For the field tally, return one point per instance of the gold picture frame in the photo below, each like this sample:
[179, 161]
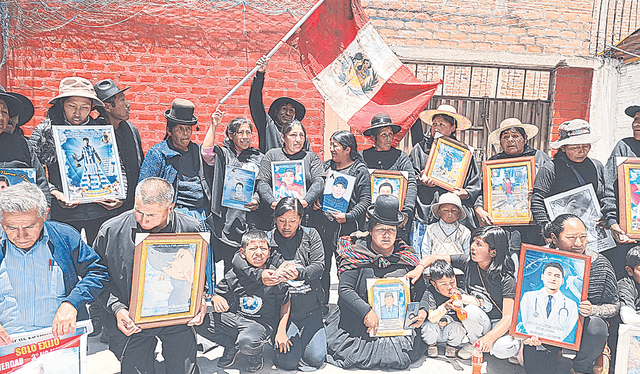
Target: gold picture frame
[506, 185]
[394, 180]
[391, 314]
[448, 163]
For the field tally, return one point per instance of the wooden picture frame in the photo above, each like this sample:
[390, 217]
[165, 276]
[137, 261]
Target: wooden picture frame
[627, 356]
[381, 290]
[387, 179]
[539, 273]
[168, 278]
[506, 185]
[448, 163]
[629, 196]
[288, 179]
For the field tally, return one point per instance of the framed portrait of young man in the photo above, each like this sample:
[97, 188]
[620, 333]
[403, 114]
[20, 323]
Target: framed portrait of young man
[448, 163]
[389, 298]
[629, 196]
[238, 187]
[168, 278]
[338, 188]
[506, 186]
[288, 179]
[550, 286]
[387, 182]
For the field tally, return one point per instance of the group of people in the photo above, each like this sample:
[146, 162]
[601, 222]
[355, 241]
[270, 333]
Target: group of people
[277, 251]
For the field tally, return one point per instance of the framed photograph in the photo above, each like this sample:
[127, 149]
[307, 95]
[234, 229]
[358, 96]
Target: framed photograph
[9, 177]
[389, 298]
[337, 192]
[506, 189]
[238, 187]
[582, 202]
[628, 353]
[89, 163]
[288, 179]
[168, 278]
[385, 182]
[549, 289]
[448, 163]
[629, 196]
[40, 352]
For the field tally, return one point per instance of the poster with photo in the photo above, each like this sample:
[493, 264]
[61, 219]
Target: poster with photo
[338, 188]
[89, 163]
[288, 179]
[385, 182]
[238, 187]
[9, 176]
[389, 298]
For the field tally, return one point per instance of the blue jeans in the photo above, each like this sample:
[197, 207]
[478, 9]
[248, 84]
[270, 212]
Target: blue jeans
[309, 348]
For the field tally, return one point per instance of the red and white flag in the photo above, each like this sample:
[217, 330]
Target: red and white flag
[355, 71]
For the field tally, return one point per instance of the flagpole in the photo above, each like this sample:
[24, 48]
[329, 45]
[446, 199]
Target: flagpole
[273, 51]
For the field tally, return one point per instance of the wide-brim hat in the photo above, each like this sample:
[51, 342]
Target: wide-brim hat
[13, 104]
[27, 108]
[181, 112]
[576, 131]
[380, 121]
[76, 86]
[463, 122]
[386, 210]
[279, 102]
[448, 198]
[510, 123]
[632, 110]
[107, 88]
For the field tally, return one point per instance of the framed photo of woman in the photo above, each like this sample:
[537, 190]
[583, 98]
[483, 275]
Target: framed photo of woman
[448, 163]
[629, 196]
[386, 182]
[506, 186]
[389, 298]
[288, 179]
[550, 286]
[168, 278]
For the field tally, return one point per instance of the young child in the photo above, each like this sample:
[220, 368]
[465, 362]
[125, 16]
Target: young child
[447, 236]
[447, 312]
[630, 289]
[247, 313]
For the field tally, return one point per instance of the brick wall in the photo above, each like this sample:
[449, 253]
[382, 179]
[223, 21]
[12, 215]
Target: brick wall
[178, 54]
[572, 96]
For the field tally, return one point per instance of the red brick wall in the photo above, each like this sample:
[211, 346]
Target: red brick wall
[572, 96]
[178, 54]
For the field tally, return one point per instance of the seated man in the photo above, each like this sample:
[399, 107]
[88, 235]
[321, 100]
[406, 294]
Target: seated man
[40, 266]
[248, 313]
[152, 213]
[630, 289]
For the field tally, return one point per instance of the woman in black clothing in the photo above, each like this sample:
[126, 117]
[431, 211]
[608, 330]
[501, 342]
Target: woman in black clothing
[381, 254]
[344, 159]
[293, 137]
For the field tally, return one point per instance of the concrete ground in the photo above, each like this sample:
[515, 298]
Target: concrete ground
[101, 361]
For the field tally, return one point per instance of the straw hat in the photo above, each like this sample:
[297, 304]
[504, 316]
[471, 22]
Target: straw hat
[463, 122]
[448, 198]
[76, 86]
[576, 131]
[510, 123]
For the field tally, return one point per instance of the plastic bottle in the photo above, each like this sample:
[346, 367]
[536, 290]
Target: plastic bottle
[457, 305]
[476, 360]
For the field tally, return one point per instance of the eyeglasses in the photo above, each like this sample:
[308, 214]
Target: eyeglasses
[243, 132]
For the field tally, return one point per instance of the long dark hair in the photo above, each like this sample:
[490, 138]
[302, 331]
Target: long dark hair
[556, 226]
[347, 140]
[496, 239]
[286, 128]
[286, 204]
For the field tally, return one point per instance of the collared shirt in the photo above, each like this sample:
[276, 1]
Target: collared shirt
[559, 324]
[31, 287]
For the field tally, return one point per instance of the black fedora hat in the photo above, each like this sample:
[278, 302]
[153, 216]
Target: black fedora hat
[14, 104]
[279, 102]
[107, 88]
[181, 113]
[27, 108]
[386, 210]
[379, 121]
[632, 110]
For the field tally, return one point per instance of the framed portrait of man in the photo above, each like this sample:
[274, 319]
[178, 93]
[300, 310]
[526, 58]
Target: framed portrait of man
[389, 298]
[385, 182]
[628, 352]
[338, 188]
[89, 163]
[629, 196]
[288, 179]
[506, 189]
[448, 163]
[550, 286]
[583, 202]
[238, 187]
[11, 176]
[168, 278]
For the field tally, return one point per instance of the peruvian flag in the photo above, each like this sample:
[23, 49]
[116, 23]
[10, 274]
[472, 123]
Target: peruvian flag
[355, 71]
